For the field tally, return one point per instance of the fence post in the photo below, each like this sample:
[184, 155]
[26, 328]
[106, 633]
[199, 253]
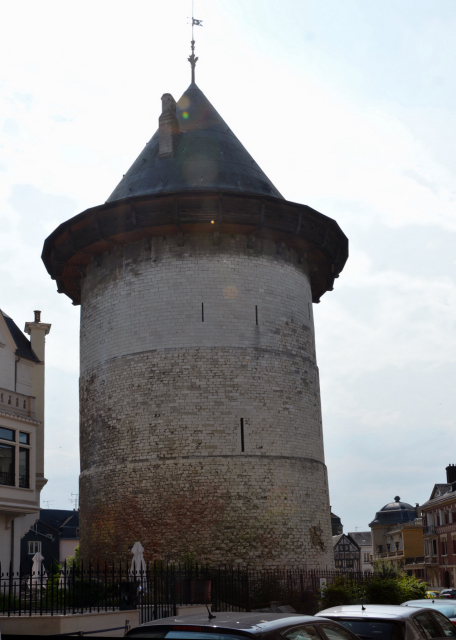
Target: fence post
[155, 590]
[173, 589]
[64, 584]
[98, 586]
[106, 585]
[10, 578]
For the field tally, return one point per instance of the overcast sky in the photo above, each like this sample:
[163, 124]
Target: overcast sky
[348, 106]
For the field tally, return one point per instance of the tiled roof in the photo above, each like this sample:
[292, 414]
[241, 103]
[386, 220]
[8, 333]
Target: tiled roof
[337, 538]
[363, 538]
[23, 346]
[446, 491]
[65, 521]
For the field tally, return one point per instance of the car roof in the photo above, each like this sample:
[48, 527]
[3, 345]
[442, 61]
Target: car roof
[429, 603]
[234, 620]
[424, 601]
[386, 611]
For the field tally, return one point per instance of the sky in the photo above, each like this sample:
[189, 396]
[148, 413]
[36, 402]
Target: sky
[348, 107]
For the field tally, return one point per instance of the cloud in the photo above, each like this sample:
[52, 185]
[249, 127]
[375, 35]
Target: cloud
[387, 318]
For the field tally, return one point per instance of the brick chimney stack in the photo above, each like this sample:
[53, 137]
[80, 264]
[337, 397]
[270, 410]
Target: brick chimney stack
[168, 127]
[451, 473]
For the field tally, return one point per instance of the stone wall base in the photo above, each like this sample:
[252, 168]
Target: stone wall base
[107, 624]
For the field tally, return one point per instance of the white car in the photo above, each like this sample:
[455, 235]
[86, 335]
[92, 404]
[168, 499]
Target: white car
[391, 622]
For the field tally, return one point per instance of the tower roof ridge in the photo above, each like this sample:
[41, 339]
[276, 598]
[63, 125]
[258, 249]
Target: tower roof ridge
[207, 155]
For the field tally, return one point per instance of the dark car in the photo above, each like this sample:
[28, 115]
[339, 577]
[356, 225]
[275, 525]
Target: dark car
[447, 608]
[448, 593]
[234, 626]
[391, 622]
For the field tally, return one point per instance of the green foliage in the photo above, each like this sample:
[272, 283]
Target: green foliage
[74, 562]
[343, 590]
[412, 588]
[384, 569]
[54, 575]
[8, 601]
[89, 592]
[388, 585]
[383, 590]
[336, 594]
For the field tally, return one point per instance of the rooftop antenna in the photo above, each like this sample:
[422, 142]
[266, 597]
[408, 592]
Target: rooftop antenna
[75, 499]
[192, 58]
[48, 503]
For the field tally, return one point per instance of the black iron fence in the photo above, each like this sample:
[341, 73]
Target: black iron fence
[159, 589]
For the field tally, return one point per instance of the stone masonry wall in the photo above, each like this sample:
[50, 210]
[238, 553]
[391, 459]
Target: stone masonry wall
[200, 409]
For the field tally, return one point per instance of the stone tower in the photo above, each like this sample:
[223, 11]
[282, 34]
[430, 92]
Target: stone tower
[201, 429]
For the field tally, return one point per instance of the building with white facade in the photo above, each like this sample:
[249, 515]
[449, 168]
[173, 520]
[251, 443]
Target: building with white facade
[364, 541]
[21, 432]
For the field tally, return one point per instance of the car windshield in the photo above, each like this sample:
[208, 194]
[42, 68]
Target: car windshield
[375, 629]
[449, 612]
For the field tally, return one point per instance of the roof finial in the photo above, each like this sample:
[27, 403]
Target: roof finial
[192, 58]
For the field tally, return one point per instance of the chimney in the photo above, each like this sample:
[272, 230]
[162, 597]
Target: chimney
[168, 127]
[37, 331]
[451, 473]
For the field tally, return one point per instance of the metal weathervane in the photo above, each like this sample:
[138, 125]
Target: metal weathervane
[192, 58]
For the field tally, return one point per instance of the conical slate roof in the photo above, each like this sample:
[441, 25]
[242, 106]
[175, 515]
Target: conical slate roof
[208, 156]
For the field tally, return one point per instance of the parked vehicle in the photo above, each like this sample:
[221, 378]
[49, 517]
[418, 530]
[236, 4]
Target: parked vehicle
[447, 608]
[447, 593]
[237, 626]
[391, 622]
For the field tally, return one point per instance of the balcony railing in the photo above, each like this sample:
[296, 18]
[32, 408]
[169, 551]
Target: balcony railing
[7, 478]
[17, 403]
[429, 530]
[391, 554]
[415, 560]
[24, 482]
[430, 560]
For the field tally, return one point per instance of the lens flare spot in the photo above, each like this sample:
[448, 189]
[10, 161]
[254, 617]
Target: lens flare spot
[230, 292]
[185, 115]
